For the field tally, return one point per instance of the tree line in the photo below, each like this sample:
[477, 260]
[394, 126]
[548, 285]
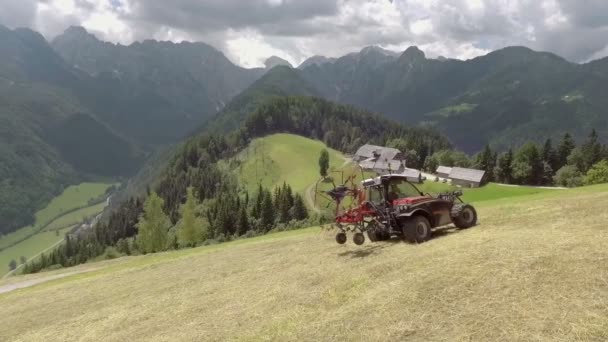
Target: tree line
[196, 201]
[562, 164]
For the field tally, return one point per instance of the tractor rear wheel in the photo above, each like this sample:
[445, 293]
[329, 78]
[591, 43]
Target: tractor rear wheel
[464, 215]
[417, 229]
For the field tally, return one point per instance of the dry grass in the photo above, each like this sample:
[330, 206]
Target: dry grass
[533, 270]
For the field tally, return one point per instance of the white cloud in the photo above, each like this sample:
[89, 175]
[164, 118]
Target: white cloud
[248, 31]
[249, 49]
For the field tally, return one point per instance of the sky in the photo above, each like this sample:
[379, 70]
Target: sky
[249, 31]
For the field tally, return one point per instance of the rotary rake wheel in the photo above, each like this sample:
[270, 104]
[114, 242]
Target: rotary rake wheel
[349, 210]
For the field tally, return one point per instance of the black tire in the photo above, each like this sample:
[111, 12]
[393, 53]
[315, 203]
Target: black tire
[375, 233]
[464, 215]
[359, 239]
[417, 229]
[341, 238]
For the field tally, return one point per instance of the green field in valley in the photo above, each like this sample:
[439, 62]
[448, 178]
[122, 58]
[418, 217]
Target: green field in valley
[517, 276]
[31, 247]
[77, 216]
[65, 210]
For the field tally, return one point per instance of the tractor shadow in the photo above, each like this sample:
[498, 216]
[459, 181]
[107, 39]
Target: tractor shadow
[444, 231]
[370, 248]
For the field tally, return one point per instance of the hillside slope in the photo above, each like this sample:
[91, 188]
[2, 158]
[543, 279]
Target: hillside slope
[516, 277]
[48, 138]
[279, 158]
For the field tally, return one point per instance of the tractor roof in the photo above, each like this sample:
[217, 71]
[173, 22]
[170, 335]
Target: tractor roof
[377, 180]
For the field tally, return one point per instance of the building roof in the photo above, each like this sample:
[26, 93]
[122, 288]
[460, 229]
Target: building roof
[380, 152]
[470, 175]
[443, 169]
[367, 150]
[411, 173]
[381, 165]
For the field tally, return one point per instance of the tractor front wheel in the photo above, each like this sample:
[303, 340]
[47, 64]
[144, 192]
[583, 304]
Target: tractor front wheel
[417, 229]
[464, 216]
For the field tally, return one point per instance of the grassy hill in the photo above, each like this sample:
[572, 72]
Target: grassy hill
[532, 269]
[280, 158]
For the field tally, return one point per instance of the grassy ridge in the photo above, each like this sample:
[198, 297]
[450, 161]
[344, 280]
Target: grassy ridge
[283, 157]
[517, 276]
[294, 159]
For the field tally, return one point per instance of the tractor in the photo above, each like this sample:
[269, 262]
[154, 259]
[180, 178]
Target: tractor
[391, 205]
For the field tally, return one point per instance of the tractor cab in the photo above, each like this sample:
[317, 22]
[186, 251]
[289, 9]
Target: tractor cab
[391, 188]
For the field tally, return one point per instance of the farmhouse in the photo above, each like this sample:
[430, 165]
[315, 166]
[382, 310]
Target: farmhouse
[380, 159]
[368, 151]
[443, 171]
[469, 178]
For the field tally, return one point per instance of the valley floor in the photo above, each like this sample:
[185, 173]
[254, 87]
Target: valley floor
[534, 269]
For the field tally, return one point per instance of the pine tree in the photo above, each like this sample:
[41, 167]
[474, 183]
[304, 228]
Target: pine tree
[505, 167]
[190, 230]
[323, 163]
[243, 222]
[267, 211]
[283, 203]
[153, 225]
[592, 151]
[12, 265]
[563, 151]
[256, 211]
[299, 209]
[486, 161]
[549, 155]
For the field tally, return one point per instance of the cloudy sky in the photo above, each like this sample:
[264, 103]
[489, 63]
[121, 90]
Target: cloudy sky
[248, 31]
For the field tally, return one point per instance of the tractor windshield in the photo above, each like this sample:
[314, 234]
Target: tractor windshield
[400, 188]
[376, 195]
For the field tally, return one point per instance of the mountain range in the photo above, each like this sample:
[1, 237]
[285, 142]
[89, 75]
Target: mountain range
[79, 107]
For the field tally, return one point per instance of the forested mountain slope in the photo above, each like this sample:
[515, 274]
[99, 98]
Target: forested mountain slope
[48, 138]
[205, 164]
[504, 98]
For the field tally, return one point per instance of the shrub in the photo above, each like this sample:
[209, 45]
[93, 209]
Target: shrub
[568, 176]
[110, 253]
[597, 174]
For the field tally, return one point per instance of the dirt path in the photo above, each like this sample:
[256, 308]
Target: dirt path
[32, 282]
[309, 197]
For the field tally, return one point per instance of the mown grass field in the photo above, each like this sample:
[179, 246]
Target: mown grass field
[283, 157]
[533, 269]
[59, 214]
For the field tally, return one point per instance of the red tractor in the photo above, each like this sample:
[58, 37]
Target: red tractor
[391, 205]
